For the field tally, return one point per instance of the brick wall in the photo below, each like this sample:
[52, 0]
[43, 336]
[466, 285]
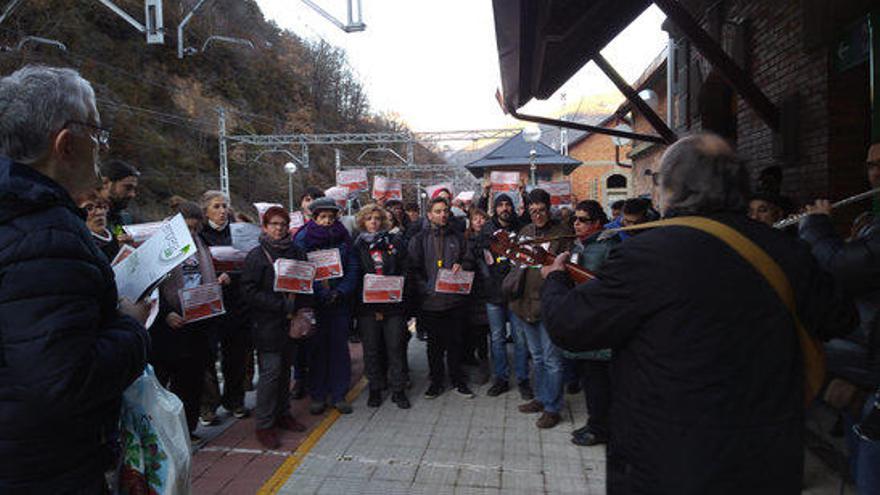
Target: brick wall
[597, 152]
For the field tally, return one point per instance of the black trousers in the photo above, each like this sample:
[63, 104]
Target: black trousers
[383, 342]
[232, 336]
[596, 382]
[446, 334]
[184, 377]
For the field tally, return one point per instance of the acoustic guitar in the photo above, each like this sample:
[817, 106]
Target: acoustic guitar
[504, 244]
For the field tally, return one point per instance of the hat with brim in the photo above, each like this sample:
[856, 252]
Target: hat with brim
[324, 203]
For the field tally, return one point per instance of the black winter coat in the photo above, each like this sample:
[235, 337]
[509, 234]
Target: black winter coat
[393, 248]
[494, 274]
[268, 309]
[66, 354]
[422, 268]
[706, 371]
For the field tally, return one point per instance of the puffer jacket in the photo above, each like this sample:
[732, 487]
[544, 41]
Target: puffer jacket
[856, 266]
[528, 305]
[66, 353]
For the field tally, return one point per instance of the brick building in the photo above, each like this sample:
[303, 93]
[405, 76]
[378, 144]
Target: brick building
[602, 164]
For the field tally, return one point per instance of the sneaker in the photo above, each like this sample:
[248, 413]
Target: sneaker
[268, 438]
[548, 420]
[375, 399]
[290, 423]
[465, 391]
[343, 407]
[208, 418]
[588, 439]
[573, 388]
[434, 391]
[317, 407]
[525, 390]
[241, 412]
[580, 431]
[401, 400]
[299, 391]
[498, 388]
[531, 407]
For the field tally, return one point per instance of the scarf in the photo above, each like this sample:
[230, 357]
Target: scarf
[102, 239]
[279, 246]
[319, 237]
[216, 227]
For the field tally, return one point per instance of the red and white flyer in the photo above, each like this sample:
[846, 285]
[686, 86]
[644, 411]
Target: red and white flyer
[339, 194]
[297, 220]
[354, 180]
[227, 259]
[294, 276]
[142, 231]
[454, 283]
[504, 181]
[466, 196]
[387, 189]
[202, 302]
[328, 263]
[560, 192]
[124, 251]
[382, 289]
[430, 190]
[262, 207]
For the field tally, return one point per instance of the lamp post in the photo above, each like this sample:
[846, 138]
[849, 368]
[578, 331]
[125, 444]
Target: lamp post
[532, 134]
[290, 168]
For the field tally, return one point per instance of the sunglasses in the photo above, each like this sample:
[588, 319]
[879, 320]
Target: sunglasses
[583, 219]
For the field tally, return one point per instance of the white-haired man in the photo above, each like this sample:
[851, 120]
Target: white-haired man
[68, 348]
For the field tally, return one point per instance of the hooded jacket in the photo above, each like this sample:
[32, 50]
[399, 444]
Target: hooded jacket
[493, 273]
[424, 256]
[66, 353]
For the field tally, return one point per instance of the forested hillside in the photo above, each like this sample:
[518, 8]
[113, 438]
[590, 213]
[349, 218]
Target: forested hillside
[163, 111]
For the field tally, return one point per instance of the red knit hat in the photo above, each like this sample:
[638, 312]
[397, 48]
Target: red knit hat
[437, 192]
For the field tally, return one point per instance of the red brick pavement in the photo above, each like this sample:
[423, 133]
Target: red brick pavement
[235, 463]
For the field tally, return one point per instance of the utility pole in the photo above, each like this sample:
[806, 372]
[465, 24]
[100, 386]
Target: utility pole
[224, 159]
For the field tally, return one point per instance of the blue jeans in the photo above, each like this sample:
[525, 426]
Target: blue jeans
[864, 456]
[547, 362]
[498, 316]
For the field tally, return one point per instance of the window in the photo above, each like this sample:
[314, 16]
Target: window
[615, 181]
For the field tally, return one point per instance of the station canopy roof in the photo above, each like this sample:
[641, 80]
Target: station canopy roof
[543, 43]
[515, 152]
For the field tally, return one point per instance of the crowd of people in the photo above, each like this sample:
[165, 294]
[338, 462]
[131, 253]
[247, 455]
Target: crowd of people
[688, 352]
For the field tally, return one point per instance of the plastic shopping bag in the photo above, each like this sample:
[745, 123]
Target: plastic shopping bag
[155, 440]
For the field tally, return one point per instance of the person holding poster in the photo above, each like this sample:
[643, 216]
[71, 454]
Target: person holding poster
[440, 246]
[271, 313]
[329, 360]
[180, 352]
[382, 325]
[228, 332]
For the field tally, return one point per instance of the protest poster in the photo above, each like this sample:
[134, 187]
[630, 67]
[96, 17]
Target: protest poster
[382, 289]
[560, 192]
[338, 194]
[328, 263]
[297, 220]
[141, 232]
[449, 282]
[294, 276]
[245, 236]
[387, 189]
[148, 264]
[355, 180]
[262, 207]
[124, 251]
[227, 259]
[202, 302]
[505, 183]
[465, 197]
[430, 190]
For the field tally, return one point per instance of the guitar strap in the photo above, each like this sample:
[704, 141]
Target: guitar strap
[811, 348]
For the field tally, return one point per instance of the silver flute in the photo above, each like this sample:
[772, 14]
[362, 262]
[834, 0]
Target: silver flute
[843, 202]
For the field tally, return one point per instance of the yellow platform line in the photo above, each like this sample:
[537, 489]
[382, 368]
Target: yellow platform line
[286, 470]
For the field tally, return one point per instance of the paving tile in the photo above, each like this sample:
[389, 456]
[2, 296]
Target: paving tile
[340, 486]
[517, 480]
[395, 472]
[379, 487]
[436, 475]
[562, 483]
[482, 477]
[470, 490]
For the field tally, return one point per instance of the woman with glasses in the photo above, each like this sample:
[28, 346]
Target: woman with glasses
[271, 313]
[96, 209]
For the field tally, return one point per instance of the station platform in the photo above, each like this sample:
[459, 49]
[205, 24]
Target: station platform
[448, 445]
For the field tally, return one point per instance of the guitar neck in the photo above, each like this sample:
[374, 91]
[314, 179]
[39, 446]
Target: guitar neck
[578, 273]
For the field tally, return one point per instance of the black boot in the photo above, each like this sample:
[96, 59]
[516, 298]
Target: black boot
[375, 399]
[401, 400]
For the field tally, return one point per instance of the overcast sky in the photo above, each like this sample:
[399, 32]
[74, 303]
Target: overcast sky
[435, 63]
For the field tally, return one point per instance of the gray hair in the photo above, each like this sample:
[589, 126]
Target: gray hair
[209, 196]
[701, 174]
[36, 101]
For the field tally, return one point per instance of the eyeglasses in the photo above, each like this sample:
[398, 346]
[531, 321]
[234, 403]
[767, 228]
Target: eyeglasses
[100, 134]
[282, 225]
[583, 219]
[91, 207]
[537, 211]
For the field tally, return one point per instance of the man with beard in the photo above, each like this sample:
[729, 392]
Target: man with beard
[119, 187]
[493, 270]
